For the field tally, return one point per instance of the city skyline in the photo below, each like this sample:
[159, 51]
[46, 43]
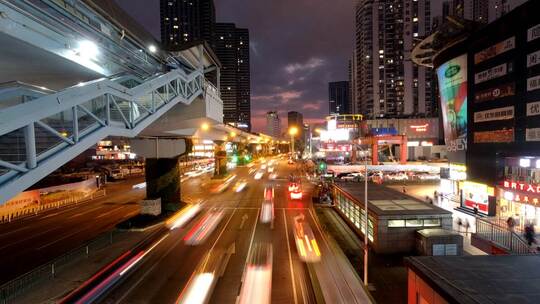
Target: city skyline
[291, 65]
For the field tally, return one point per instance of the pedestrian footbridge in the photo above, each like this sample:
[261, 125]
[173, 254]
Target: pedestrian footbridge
[127, 85]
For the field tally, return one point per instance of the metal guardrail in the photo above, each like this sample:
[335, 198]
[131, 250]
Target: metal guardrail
[502, 236]
[47, 271]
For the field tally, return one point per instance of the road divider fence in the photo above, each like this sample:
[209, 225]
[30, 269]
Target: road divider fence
[48, 271]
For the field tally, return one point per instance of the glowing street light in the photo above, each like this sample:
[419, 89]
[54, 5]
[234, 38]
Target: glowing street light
[205, 127]
[293, 131]
[232, 134]
[152, 48]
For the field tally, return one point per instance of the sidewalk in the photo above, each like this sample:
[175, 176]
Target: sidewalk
[75, 273]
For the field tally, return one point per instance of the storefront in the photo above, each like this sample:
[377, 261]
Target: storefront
[519, 200]
[452, 178]
[478, 198]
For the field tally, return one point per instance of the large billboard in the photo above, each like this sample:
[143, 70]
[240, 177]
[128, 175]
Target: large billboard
[452, 76]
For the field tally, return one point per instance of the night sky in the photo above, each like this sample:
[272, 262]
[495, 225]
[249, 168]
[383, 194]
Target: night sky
[297, 47]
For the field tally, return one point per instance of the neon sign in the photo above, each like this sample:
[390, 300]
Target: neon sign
[521, 186]
[420, 128]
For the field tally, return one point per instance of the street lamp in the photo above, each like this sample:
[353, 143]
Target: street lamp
[293, 131]
[205, 127]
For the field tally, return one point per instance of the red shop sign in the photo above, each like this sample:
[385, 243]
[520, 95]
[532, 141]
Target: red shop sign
[521, 186]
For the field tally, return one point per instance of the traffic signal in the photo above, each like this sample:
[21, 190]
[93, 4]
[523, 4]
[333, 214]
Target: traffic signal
[234, 159]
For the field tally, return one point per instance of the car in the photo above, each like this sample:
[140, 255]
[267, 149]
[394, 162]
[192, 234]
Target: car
[296, 194]
[258, 175]
[257, 281]
[306, 244]
[267, 207]
[293, 186]
[240, 185]
[352, 176]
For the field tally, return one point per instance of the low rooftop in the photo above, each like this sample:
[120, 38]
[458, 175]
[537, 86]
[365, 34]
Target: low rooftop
[481, 279]
[386, 201]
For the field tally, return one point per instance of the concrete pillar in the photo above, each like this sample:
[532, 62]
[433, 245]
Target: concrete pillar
[220, 159]
[403, 150]
[163, 181]
[375, 152]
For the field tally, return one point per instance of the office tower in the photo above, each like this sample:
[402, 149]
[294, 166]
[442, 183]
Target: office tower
[295, 119]
[232, 49]
[388, 84]
[338, 97]
[186, 21]
[273, 124]
[498, 8]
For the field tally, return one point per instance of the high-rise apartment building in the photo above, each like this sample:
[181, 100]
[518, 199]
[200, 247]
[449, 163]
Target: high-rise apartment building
[388, 84]
[353, 100]
[273, 124]
[186, 21]
[232, 49]
[338, 97]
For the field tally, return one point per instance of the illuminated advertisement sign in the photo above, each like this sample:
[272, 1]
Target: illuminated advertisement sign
[420, 128]
[476, 196]
[533, 59]
[495, 50]
[500, 91]
[492, 73]
[494, 114]
[496, 136]
[521, 192]
[452, 76]
[533, 83]
[335, 135]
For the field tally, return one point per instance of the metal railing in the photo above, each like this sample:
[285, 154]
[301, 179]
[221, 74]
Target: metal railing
[10, 215]
[47, 271]
[57, 127]
[502, 237]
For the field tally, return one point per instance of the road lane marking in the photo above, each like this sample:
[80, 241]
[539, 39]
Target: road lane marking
[290, 258]
[336, 263]
[250, 244]
[244, 219]
[28, 238]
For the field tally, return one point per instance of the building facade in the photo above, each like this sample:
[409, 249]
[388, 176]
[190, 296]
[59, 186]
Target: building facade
[186, 21]
[353, 100]
[273, 124]
[232, 49]
[388, 83]
[498, 114]
[339, 97]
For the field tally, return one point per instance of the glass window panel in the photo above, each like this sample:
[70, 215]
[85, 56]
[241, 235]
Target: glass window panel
[413, 223]
[432, 222]
[396, 223]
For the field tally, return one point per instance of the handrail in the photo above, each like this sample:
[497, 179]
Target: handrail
[502, 236]
[121, 111]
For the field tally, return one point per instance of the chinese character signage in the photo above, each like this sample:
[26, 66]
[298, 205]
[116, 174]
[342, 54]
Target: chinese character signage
[533, 108]
[533, 83]
[496, 136]
[452, 76]
[533, 59]
[495, 50]
[494, 114]
[533, 33]
[500, 91]
[492, 73]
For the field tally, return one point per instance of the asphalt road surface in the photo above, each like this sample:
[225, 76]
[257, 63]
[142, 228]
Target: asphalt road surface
[33, 241]
[170, 266]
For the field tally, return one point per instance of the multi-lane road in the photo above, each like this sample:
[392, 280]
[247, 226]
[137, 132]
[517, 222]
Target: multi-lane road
[166, 269]
[28, 243]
